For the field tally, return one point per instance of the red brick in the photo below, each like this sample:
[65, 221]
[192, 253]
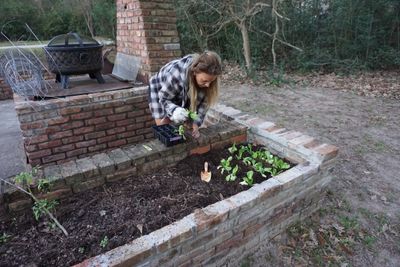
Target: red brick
[117, 143]
[104, 126]
[53, 129]
[135, 139]
[116, 130]
[72, 139]
[220, 144]
[85, 144]
[72, 125]
[76, 152]
[135, 113]
[67, 111]
[39, 154]
[97, 147]
[123, 109]
[83, 130]
[239, 138]
[59, 120]
[64, 148]
[200, 150]
[106, 139]
[125, 135]
[103, 112]
[117, 117]
[251, 230]
[96, 121]
[36, 139]
[53, 158]
[32, 125]
[135, 126]
[125, 122]
[82, 115]
[95, 135]
[233, 242]
[31, 148]
[328, 151]
[50, 144]
[61, 135]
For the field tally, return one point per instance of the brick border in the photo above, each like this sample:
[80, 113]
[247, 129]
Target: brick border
[222, 232]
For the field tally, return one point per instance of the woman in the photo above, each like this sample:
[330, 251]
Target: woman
[190, 83]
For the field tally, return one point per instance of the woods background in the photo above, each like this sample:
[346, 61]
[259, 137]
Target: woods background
[302, 35]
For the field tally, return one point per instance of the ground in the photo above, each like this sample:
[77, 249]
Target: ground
[358, 225]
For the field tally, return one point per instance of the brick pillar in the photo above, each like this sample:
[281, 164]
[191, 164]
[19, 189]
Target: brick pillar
[147, 29]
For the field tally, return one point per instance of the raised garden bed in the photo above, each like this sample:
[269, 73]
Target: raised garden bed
[104, 218]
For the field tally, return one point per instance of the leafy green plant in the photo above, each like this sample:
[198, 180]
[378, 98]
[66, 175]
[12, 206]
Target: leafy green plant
[278, 166]
[192, 115]
[41, 206]
[104, 242]
[249, 161]
[233, 175]
[233, 149]
[23, 182]
[43, 185]
[259, 167]
[81, 250]
[248, 179]
[4, 238]
[181, 131]
[225, 165]
[241, 150]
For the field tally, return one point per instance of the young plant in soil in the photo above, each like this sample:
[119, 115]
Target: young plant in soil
[23, 183]
[192, 117]
[248, 179]
[225, 165]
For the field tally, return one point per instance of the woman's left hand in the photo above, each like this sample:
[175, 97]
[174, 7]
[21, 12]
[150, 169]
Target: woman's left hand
[195, 131]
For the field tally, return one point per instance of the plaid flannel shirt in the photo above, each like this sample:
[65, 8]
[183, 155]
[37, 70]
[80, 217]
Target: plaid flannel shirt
[168, 90]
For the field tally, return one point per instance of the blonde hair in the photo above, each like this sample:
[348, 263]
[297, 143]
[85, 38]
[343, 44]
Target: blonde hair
[208, 62]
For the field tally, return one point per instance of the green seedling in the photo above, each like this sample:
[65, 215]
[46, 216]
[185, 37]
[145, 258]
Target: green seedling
[233, 175]
[192, 115]
[267, 156]
[4, 238]
[249, 161]
[225, 165]
[258, 167]
[278, 166]
[181, 131]
[104, 242]
[42, 206]
[241, 150]
[23, 182]
[43, 185]
[81, 250]
[248, 180]
[232, 149]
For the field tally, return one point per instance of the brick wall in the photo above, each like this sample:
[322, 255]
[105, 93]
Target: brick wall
[147, 29]
[222, 234]
[59, 130]
[5, 90]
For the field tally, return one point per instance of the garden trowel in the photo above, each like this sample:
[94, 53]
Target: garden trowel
[205, 175]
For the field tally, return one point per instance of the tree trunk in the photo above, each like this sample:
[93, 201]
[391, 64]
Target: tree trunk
[246, 44]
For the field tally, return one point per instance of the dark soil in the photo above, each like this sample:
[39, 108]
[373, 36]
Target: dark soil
[120, 211]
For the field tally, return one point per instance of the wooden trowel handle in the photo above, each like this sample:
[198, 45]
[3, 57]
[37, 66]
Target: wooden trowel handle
[206, 166]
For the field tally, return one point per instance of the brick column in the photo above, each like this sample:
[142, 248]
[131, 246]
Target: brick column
[147, 29]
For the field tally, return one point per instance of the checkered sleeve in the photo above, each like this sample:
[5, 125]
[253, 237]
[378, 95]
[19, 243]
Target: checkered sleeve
[167, 86]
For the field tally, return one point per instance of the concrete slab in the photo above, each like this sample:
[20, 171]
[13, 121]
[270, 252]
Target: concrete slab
[12, 160]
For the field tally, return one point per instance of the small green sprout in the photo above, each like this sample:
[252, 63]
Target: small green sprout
[81, 250]
[192, 115]
[232, 149]
[43, 185]
[248, 180]
[233, 175]
[258, 167]
[249, 161]
[4, 238]
[40, 207]
[241, 150]
[225, 165]
[181, 131]
[104, 242]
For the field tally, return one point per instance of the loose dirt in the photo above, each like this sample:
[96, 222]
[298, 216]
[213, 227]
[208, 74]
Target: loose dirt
[104, 218]
[358, 225]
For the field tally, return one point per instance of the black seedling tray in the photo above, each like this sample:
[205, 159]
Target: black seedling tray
[167, 134]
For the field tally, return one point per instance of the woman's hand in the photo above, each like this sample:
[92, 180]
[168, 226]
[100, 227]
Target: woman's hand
[195, 131]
